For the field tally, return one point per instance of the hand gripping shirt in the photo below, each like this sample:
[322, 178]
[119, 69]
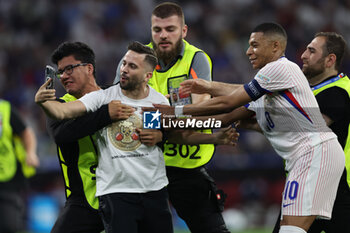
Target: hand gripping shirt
[124, 163]
[287, 110]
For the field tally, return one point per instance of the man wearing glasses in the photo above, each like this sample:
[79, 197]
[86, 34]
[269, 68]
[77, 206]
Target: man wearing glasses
[130, 174]
[77, 153]
[69, 69]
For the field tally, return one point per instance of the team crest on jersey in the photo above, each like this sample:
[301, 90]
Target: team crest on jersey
[123, 134]
[263, 78]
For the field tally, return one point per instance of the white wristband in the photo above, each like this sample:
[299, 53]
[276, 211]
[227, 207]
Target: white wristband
[179, 110]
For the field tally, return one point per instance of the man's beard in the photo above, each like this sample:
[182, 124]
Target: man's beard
[130, 85]
[168, 56]
[315, 70]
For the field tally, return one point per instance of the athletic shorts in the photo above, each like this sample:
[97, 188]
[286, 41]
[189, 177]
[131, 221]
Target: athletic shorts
[341, 212]
[312, 183]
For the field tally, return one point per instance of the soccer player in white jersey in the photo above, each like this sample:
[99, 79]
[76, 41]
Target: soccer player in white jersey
[288, 114]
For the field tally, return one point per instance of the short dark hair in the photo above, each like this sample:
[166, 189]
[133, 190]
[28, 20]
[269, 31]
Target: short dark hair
[150, 58]
[271, 28]
[167, 9]
[80, 51]
[336, 44]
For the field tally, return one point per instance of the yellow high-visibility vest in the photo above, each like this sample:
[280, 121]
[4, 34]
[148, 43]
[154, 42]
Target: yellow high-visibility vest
[86, 165]
[344, 83]
[176, 155]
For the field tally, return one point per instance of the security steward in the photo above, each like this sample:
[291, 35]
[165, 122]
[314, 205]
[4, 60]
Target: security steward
[18, 160]
[192, 192]
[321, 63]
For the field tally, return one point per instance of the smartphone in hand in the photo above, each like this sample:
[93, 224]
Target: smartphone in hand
[50, 72]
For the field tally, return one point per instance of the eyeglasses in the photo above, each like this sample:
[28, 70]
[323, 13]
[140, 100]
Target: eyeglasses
[69, 69]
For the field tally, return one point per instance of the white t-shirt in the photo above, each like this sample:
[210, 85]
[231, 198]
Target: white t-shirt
[288, 112]
[124, 163]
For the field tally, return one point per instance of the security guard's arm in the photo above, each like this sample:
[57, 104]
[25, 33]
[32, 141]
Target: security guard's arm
[200, 70]
[333, 111]
[30, 143]
[336, 113]
[27, 137]
[73, 129]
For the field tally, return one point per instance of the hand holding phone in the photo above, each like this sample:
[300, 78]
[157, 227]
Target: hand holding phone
[50, 72]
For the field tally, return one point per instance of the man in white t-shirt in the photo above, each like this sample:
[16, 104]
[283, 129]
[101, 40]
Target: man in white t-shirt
[130, 176]
[289, 116]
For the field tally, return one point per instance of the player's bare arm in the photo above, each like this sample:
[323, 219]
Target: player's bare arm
[238, 114]
[220, 104]
[200, 86]
[198, 98]
[225, 136]
[249, 123]
[213, 106]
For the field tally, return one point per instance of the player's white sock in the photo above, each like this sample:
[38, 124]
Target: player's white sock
[291, 229]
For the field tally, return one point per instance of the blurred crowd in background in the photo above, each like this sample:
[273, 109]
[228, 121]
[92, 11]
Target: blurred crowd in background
[251, 173]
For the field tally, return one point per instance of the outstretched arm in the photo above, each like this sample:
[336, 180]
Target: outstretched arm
[219, 104]
[200, 86]
[249, 123]
[73, 109]
[54, 109]
[241, 113]
[213, 106]
[73, 129]
[225, 136]
[61, 111]
[226, 119]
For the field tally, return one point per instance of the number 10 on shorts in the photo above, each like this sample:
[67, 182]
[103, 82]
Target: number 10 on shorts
[291, 190]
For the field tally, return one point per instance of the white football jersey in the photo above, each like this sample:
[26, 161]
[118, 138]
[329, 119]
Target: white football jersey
[124, 163]
[288, 112]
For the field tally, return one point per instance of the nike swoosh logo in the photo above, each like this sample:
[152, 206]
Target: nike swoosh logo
[285, 205]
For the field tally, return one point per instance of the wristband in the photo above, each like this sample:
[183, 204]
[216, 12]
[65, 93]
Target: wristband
[179, 110]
